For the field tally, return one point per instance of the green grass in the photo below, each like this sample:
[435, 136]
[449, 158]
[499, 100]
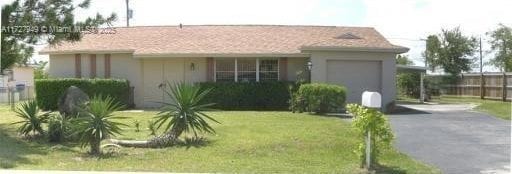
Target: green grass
[246, 142]
[496, 108]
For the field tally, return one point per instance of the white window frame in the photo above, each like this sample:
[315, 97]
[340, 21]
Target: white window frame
[278, 67]
[215, 70]
[236, 68]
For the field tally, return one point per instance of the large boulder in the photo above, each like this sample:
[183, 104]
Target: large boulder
[71, 100]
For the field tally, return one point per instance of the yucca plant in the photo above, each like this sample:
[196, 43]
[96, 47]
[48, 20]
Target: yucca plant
[96, 122]
[184, 113]
[31, 119]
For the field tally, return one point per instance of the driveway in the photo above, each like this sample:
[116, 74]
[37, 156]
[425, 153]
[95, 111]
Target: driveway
[453, 138]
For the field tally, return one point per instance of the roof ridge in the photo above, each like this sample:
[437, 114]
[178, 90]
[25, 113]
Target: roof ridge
[243, 25]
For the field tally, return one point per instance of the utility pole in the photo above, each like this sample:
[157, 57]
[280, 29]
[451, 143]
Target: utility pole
[128, 16]
[422, 75]
[481, 63]
[505, 67]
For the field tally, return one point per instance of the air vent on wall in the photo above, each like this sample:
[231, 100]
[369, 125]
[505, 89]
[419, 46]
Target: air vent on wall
[347, 36]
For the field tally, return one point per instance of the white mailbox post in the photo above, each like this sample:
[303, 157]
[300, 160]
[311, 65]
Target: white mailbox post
[371, 100]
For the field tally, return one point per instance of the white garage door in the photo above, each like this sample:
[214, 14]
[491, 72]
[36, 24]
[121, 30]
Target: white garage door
[357, 76]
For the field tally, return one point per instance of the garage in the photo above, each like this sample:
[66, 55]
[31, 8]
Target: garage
[356, 75]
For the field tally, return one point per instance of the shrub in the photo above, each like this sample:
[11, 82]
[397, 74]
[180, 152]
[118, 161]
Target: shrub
[48, 91]
[380, 131]
[408, 84]
[319, 98]
[31, 119]
[248, 95]
[56, 128]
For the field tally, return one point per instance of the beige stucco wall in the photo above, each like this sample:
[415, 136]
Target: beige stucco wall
[100, 65]
[62, 66]
[124, 66]
[86, 65]
[295, 65]
[388, 88]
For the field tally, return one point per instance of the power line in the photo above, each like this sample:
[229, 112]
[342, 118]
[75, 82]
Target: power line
[409, 39]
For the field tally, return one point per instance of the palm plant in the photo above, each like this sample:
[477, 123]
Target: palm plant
[31, 119]
[96, 122]
[183, 114]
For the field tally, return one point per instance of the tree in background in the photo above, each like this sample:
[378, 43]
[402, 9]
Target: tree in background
[431, 50]
[39, 70]
[403, 60]
[34, 15]
[408, 83]
[501, 43]
[450, 51]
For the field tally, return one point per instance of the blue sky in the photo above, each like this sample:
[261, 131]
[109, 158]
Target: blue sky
[403, 22]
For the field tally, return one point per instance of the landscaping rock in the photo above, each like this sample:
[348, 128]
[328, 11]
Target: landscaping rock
[71, 100]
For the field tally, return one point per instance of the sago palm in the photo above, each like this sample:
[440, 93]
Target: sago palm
[97, 122]
[184, 113]
[31, 119]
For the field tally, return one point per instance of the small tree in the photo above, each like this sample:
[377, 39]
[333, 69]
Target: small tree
[501, 43]
[450, 51]
[366, 119]
[96, 122]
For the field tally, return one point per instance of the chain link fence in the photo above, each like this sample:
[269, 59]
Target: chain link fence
[12, 95]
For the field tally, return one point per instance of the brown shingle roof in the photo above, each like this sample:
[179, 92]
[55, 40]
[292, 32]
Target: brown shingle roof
[226, 39]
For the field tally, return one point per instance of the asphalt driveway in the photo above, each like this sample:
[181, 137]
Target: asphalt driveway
[454, 138]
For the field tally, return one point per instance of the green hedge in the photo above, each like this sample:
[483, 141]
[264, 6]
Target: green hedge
[319, 98]
[249, 95]
[48, 91]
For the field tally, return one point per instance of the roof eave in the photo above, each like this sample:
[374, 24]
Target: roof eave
[397, 50]
[184, 55]
[46, 52]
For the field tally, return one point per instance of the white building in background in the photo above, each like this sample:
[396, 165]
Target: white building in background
[18, 81]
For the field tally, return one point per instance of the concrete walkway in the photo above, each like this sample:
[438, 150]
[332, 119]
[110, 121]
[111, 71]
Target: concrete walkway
[454, 138]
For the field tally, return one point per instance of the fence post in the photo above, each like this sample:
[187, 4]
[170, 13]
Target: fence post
[482, 86]
[504, 86]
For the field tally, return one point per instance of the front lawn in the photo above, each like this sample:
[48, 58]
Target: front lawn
[246, 142]
[497, 108]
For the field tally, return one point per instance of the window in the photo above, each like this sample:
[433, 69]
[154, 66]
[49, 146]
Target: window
[225, 70]
[246, 69]
[269, 70]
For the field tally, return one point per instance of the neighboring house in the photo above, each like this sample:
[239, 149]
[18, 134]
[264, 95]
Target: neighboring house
[20, 81]
[356, 57]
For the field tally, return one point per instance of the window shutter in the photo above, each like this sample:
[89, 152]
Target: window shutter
[209, 69]
[283, 69]
[107, 66]
[78, 66]
[92, 58]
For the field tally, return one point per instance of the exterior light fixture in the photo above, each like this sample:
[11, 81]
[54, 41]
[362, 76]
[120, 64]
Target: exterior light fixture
[192, 66]
[309, 65]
